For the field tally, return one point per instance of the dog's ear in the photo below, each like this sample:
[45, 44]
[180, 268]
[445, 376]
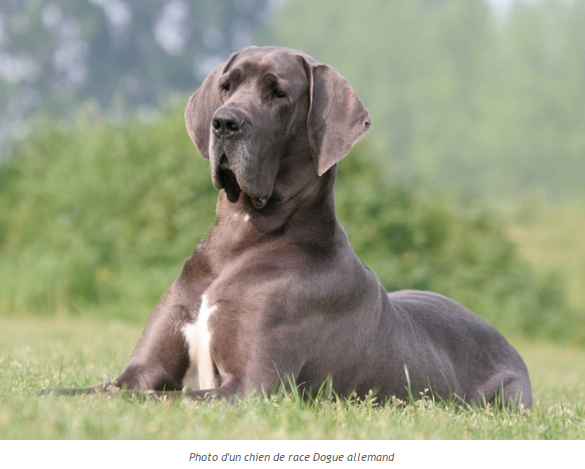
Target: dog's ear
[337, 118]
[202, 105]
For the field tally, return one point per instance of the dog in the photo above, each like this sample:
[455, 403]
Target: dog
[275, 290]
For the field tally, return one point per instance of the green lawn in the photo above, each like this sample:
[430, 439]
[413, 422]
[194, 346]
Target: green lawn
[35, 353]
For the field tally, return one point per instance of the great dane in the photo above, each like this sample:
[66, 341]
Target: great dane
[275, 290]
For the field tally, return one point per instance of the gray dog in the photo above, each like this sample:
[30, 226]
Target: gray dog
[275, 290]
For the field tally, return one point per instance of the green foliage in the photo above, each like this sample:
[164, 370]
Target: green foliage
[98, 216]
[100, 213]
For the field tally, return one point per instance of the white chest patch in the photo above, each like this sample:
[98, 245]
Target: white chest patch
[200, 374]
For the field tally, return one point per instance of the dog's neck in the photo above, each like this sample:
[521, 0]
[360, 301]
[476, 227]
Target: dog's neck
[314, 200]
[308, 218]
[312, 208]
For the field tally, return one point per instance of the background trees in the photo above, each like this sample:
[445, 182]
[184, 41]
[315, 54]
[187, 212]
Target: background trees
[464, 96]
[123, 54]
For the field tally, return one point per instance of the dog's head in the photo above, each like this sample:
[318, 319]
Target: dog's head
[260, 107]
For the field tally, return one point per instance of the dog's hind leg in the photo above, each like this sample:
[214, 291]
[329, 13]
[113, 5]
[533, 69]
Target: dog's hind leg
[517, 394]
[509, 390]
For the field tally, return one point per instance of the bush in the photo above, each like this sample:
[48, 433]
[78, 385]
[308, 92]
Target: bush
[96, 218]
[100, 213]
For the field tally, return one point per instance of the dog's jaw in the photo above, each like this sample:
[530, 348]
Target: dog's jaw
[228, 177]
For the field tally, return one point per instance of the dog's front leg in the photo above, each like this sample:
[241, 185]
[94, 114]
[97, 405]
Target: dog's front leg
[227, 391]
[159, 361]
[160, 358]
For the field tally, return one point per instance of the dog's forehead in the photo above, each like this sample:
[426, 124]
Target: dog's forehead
[283, 63]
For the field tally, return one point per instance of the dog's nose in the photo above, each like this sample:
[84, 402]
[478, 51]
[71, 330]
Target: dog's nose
[227, 122]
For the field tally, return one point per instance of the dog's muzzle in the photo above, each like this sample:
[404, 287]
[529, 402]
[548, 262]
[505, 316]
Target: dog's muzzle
[225, 178]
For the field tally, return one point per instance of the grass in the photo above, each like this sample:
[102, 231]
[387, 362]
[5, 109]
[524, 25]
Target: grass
[36, 353]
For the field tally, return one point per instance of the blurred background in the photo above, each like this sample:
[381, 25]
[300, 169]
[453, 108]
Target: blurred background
[470, 183]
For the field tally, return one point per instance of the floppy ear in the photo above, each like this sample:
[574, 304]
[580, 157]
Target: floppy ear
[201, 107]
[337, 119]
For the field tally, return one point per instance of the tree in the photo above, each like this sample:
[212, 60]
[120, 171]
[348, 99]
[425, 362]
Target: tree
[125, 53]
[465, 97]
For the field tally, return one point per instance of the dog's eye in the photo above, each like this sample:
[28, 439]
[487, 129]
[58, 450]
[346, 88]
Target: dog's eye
[277, 95]
[225, 88]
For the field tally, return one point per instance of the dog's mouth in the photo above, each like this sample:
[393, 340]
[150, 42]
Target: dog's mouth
[229, 182]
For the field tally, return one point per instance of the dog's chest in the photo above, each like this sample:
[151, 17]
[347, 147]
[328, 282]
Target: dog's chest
[201, 373]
